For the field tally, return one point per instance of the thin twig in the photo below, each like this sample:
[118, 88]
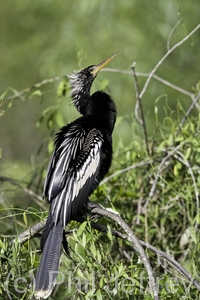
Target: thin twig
[141, 119]
[138, 105]
[50, 80]
[172, 31]
[158, 78]
[180, 157]
[159, 252]
[185, 162]
[164, 57]
[138, 74]
[28, 234]
[135, 166]
[164, 160]
[173, 262]
[171, 85]
[136, 245]
[34, 230]
[187, 113]
[37, 198]
[29, 89]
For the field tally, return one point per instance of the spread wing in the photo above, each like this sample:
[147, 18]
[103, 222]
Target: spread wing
[72, 171]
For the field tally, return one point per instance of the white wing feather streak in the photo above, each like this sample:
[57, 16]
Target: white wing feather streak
[61, 158]
[78, 174]
[87, 170]
[62, 165]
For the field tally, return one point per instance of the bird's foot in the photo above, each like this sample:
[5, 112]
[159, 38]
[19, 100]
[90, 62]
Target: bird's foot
[87, 210]
[90, 206]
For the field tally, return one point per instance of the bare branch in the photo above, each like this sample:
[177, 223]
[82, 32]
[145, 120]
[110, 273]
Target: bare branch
[187, 113]
[164, 160]
[135, 166]
[35, 86]
[18, 94]
[170, 35]
[28, 234]
[139, 102]
[185, 162]
[173, 262]
[136, 245]
[164, 57]
[158, 78]
[171, 85]
[159, 252]
[34, 230]
[138, 106]
[16, 183]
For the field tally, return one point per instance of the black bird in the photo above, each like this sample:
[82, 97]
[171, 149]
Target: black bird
[81, 158]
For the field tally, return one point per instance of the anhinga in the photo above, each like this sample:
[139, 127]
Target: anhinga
[81, 158]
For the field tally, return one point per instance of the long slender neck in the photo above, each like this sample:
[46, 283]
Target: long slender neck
[80, 92]
[103, 110]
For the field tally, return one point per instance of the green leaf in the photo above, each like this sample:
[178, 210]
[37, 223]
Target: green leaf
[63, 88]
[36, 93]
[99, 295]
[25, 217]
[50, 146]
[49, 109]
[109, 233]
[188, 153]
[2, 244]
[89, 294]
[80, 273]
[81, 228]
[2, 112]
[193, 234]
[59, 120]
[81, 56]
[84, 240]
[10, 104]
[93, 249]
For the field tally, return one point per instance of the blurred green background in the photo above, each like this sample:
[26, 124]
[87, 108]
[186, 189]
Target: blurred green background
[40, 40]
[43, 39]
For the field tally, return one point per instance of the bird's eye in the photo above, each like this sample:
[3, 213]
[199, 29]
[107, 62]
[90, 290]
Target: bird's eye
[90, 69]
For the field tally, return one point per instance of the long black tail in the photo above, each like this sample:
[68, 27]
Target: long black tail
[48, 268]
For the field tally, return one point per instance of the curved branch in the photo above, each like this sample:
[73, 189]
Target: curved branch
[136, 244]
[33, 231]
[194, 103]
[164, 57]
[35, 86]
[28, 234]
[171, 33]
[158, 78]
[17, 184]
[131, 237]
[139, 107]
[160, 168]
[135, 166]
[159, 252]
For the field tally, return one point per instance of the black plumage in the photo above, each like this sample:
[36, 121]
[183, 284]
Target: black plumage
[81, 158]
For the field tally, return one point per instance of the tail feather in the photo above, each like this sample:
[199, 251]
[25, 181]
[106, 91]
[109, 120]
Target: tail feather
[48, 268]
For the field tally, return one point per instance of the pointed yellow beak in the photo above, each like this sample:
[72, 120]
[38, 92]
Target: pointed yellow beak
[98, 67]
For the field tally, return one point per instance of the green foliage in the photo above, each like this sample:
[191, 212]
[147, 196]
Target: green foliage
[157, 194]
[15, 279]
[52, 39]
[104, 267]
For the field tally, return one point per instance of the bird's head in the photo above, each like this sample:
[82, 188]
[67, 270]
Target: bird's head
[81, 83]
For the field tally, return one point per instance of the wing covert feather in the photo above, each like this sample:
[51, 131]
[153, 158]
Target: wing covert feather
[75, 166]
